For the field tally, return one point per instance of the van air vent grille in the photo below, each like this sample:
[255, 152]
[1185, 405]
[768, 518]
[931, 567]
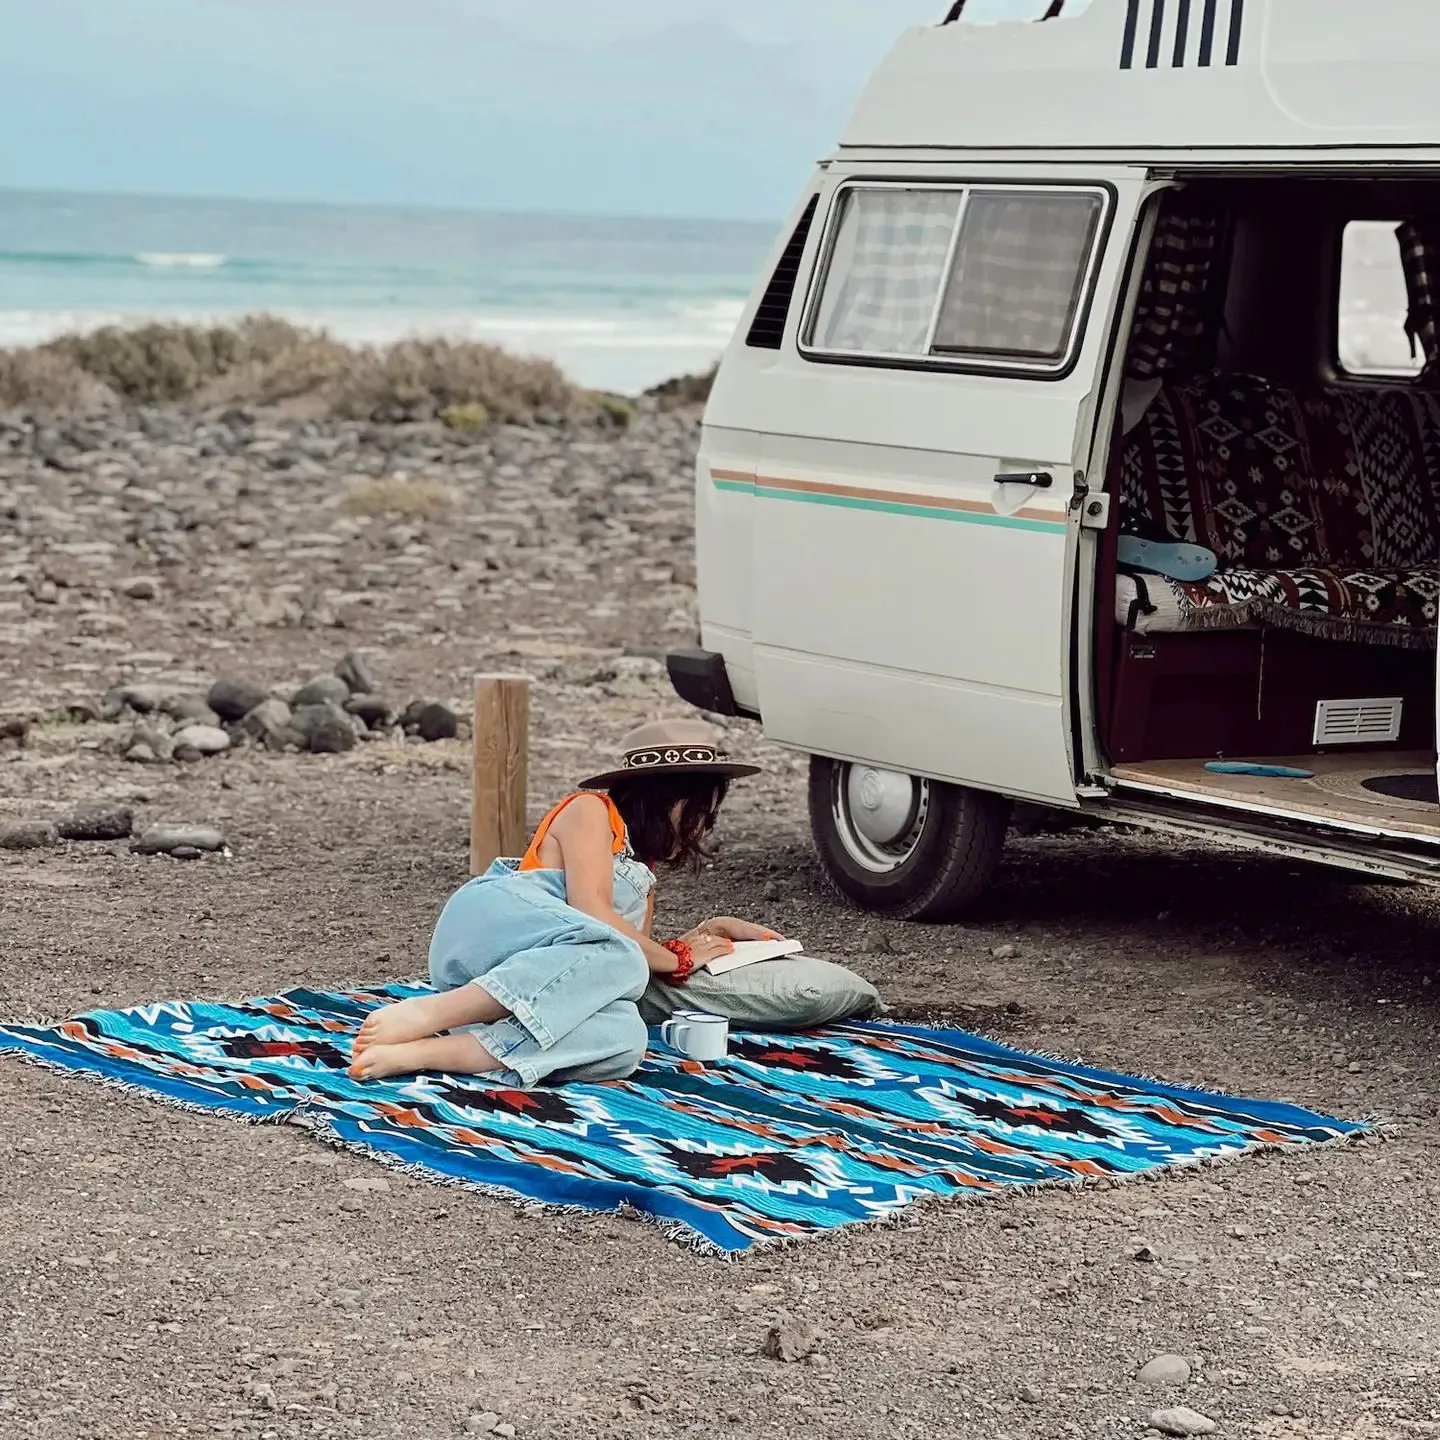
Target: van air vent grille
[767, 330]
[1358, 722]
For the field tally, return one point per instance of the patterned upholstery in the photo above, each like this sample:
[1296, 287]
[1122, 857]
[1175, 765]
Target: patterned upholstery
[1324, 508]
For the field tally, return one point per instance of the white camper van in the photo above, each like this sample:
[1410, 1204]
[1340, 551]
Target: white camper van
[1127, 279]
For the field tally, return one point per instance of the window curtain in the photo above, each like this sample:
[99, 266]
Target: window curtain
[1420, 257]
[1177, 316]
[886, 271]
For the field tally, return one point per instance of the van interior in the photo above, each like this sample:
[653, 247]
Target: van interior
[1272, 419]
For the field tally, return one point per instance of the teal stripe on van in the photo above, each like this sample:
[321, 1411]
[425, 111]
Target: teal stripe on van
[884, 502]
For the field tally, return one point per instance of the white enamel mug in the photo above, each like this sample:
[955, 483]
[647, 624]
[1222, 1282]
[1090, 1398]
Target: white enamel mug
[698, 1035]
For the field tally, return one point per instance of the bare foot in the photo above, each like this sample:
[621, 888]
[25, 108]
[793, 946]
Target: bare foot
[380, 1062]
[425, 1015]
[443, 1054]
[398, 1024]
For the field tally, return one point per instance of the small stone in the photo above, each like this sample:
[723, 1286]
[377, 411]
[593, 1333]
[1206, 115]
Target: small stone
[791, 1340]
[27, 835]
[324, 729]
[97, 820]
[367, 1184]
[1029, 1395]
[202, 739]
[433, 722]
[374, 711]
[142, 587]
[323, 690]
[1165, 1370]
[169, 839]
[1354, 1067]
[482, 1424]
[877, 945]
[1142, 1254]
[189, 710]
[1182, 1421]
[46, 592]
[1004, 952]
[353, 670]
[269, 724]
[14, 731]
[151, 739]
[505, 1430]
[140, 753]
[233, 699]
[185, 852]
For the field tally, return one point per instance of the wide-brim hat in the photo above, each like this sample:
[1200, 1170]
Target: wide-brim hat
[671, 747]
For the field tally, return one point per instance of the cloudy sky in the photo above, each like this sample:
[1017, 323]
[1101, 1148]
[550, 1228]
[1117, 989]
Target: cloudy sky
[686, 107]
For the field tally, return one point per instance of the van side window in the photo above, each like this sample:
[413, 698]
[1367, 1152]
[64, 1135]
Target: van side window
[1374, 304]
[1018, 274]
[992, 277]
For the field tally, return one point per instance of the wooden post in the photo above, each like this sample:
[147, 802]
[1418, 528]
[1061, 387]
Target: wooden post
[502, 755]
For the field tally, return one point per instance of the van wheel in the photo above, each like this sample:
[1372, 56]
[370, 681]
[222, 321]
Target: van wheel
[915, 849]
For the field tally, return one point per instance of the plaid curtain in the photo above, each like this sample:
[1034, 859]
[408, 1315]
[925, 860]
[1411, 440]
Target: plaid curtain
[1175, 318]
[1018, 270]
[1420, 256]
[886, 270]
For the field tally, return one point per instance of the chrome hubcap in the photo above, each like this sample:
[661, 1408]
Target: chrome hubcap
[879, 815]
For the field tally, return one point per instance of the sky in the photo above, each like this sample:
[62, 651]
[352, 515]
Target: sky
[653, 107]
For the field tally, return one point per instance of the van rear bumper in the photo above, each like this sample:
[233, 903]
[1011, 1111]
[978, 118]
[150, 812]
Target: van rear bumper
[700, 679]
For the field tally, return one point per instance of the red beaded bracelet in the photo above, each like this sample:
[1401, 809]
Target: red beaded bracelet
[686, 956]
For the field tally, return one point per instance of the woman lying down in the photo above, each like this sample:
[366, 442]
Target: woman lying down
[541, 966]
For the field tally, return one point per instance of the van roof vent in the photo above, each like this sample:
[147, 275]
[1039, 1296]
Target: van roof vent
[767, 330]
[1358, 722]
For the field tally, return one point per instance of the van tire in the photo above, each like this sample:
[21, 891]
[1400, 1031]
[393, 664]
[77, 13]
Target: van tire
[950, 861]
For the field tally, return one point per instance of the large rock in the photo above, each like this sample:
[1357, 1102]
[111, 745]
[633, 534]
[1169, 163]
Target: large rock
[170, 839]
[27, 835]
[373, 710]
[200, 740]
[325, 729]
[322, 690]
[353, 670]
[430, 720]
[1182, 1421]
[1165, 1371]
[189, 710]
[97, 820]
[268, 724]
[233, 698]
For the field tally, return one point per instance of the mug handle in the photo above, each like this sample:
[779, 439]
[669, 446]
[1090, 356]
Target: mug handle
[675, 1033]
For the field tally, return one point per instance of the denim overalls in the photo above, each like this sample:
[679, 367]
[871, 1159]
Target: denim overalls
[569, 981]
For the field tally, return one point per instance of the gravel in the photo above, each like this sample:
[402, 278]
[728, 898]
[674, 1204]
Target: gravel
[217, 1250]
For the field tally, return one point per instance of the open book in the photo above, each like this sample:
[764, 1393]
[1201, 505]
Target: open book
[752, 952]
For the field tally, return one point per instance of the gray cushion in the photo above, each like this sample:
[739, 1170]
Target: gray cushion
[795, 993]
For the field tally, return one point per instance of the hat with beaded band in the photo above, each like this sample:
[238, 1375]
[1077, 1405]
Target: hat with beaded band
[671, 747]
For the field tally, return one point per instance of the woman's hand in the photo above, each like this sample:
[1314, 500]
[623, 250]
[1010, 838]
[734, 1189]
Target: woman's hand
[732, 929]
[708, 948]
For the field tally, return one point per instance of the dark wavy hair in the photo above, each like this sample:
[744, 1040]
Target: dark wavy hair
[670, 817]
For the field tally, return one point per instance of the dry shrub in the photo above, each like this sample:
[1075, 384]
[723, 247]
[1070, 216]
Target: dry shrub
[42, 380]
[263, 360]
[684, 391]
[159, 364]
[417, 499]
[309, 368]
[419, 379]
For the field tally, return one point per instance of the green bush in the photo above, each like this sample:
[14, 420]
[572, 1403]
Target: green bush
[619, 411]
[466, 418]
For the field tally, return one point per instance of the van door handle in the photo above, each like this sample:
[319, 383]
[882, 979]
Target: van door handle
[1038, 479]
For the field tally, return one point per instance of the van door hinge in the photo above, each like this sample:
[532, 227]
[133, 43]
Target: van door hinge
[1095, 512]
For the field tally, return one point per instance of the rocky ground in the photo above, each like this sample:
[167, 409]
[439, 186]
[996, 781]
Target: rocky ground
[166, 1275]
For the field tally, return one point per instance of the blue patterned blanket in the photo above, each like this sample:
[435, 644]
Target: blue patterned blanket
[791, 1136]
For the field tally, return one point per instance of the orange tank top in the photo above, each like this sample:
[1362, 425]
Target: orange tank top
[617, 830]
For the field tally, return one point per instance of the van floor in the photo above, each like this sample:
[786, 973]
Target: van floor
[1337, 794]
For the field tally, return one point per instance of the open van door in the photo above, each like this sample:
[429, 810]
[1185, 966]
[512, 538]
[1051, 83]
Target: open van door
[923, 442]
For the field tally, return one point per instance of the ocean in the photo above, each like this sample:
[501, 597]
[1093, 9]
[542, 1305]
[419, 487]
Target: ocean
[619, 303]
